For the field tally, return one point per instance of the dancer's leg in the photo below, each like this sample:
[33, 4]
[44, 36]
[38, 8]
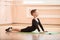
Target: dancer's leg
[10, 29]
[18, 30]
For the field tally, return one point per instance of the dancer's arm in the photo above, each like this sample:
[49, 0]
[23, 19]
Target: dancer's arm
[41, 25]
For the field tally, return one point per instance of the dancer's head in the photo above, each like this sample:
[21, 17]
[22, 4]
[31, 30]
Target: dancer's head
[34, 13]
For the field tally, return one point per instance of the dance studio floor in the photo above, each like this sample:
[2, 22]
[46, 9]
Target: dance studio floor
[53, 29]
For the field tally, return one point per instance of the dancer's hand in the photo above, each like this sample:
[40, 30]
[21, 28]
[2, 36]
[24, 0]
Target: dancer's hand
[45, 31]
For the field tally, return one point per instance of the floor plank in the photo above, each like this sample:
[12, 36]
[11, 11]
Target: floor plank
[24, 36]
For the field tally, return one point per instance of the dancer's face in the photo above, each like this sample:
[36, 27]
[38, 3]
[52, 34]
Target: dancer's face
[35, 14]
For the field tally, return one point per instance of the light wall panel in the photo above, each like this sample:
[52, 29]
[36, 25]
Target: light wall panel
[5, 12]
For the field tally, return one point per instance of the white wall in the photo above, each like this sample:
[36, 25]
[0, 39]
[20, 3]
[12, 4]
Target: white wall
[43, 2]
[5, 13]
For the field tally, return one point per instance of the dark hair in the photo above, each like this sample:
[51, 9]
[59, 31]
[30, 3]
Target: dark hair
[32, 11]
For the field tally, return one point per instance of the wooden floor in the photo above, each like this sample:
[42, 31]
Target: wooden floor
[29, 36]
